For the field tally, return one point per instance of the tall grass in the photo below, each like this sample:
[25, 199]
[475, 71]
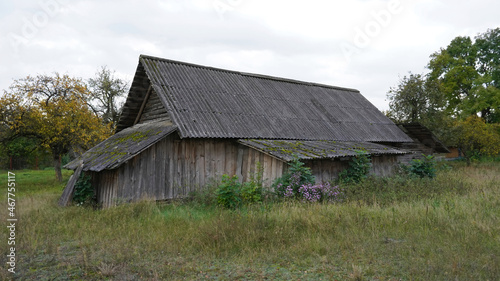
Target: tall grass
[445, 229]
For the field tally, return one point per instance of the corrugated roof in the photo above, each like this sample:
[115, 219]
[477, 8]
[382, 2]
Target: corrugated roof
[424, 135]
[288, 150]
[206, 102]
[122, 146]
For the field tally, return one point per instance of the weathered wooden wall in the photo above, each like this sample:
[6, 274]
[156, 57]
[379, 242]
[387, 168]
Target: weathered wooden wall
[173, 167]
[383, 165]
[153, 109]
[327, 169]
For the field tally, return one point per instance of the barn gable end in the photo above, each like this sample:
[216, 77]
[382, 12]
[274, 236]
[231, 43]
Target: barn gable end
[153, 110]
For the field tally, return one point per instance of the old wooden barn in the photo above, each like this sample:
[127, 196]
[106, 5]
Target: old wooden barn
[183, 125]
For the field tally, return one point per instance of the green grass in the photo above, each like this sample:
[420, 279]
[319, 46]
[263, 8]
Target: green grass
[391, 229]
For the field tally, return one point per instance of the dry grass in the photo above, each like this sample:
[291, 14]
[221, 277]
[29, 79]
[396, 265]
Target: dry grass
[446, 236]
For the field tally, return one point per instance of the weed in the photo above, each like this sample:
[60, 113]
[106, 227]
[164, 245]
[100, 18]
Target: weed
[84, 192]
[358, 169]
[228, 192]
[425, 167]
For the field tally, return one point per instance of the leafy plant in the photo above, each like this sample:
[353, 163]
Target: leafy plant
[425, 167]
[288, 185]
[227, 193]
[250, 192]
[84, 192]
[232, 194]
[358, 168]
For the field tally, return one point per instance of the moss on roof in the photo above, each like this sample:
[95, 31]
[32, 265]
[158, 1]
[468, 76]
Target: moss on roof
[122, 146]
[288, 149]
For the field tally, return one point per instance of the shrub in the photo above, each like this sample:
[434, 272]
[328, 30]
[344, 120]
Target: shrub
[250, 192]
[227, 193]
[232, 194]
[288, 185]
[423, 168]
[84, 192]
[358, 168]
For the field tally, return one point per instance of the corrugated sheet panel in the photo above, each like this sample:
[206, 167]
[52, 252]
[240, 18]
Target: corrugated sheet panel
[122, 146]
[206, 102]
[425, 136]
[287, 150]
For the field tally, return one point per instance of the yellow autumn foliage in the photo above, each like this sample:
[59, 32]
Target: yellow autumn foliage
[474, 136]
[54, 110]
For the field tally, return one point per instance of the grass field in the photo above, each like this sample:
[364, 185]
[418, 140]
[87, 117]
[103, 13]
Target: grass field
[386, 229]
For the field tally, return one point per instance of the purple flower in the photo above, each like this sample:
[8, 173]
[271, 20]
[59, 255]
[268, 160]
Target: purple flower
[320, 192]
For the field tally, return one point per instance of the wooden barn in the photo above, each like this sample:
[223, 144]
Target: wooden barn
[184, 125]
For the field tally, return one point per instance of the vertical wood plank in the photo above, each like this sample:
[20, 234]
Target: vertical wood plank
[178, 167]
[183, 160]
[239, 162]
[201, 163]
[170, 173]
[192, 165]
[208, 160]
[267, 168]
[221, 157]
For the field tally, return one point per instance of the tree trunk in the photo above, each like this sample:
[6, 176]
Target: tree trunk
[57, 167]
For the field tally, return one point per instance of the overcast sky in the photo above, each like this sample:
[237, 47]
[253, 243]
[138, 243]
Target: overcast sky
[361, 44]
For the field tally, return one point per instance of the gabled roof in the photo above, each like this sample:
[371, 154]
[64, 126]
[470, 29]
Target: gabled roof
[206, 102]
[122, 146]
[288, 150]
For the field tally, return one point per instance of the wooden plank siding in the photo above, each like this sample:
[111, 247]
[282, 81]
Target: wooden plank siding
[327, 169]
[173, 167]
[154, 109]
[384, 165]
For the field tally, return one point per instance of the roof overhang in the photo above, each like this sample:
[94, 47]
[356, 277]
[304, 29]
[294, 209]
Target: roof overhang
[288, 150]
[122, 146]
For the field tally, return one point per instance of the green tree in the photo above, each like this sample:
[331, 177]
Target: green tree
[415, 99]
[468, 74]
[53, 110]
[105, 93]
[488, 98]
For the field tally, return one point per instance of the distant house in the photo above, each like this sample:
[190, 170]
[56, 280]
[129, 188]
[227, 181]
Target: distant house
[184, 125]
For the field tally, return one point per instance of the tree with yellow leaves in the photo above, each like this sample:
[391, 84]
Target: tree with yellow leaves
[475, 137]
[54, 110]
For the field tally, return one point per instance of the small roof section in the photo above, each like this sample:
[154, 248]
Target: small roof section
[207, 102]
[288, 150]
[122, 146]
[424, 135]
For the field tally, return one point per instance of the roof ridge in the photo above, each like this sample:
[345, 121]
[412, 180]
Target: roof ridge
[255, 75]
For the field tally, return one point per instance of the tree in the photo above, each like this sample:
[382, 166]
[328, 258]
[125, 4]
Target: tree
[415, 99]
[468, 74]
[54, 110]
[477, 138]
[106, 90]
[488, 100]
